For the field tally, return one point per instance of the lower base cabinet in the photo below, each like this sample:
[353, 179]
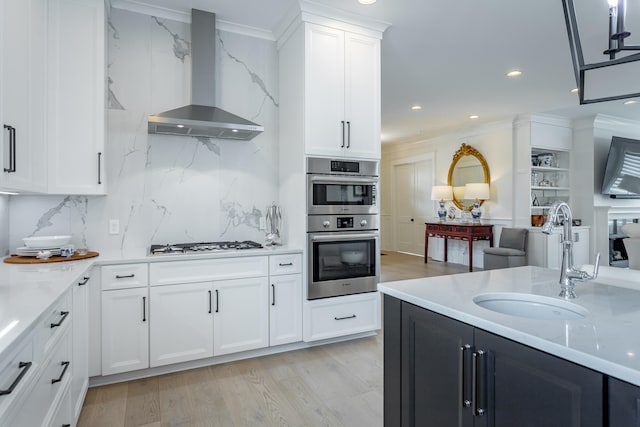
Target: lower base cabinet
[624, 404]
[441, 372]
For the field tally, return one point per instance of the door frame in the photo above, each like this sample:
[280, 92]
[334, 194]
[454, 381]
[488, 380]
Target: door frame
[413, 160]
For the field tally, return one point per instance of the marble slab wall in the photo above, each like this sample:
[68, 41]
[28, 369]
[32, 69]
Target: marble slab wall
[169, 188]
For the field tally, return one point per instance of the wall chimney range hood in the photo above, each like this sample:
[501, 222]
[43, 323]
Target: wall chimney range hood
[201, 118]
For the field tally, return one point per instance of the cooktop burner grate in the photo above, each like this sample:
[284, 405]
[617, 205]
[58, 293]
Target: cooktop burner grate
[186, 248]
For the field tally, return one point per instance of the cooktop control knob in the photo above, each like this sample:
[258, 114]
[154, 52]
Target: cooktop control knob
[363, 223]
[326, 224]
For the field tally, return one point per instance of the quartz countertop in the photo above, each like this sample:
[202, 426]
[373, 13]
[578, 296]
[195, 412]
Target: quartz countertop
[28, 290]
[606, 340]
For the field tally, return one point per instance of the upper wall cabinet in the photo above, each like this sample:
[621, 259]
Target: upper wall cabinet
[330, 88]
[342, 85]
[76, 87]
[52, 96]
[22, 89]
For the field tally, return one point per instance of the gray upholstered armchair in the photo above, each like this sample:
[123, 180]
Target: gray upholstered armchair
[512, 251]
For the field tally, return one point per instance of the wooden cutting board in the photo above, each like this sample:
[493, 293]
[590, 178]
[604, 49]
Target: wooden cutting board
[17, 259]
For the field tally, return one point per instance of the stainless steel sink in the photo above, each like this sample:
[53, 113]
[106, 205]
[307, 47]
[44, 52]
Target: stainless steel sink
[530, 306]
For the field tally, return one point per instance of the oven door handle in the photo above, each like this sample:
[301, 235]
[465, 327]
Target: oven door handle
[344, 179]
[344, 236]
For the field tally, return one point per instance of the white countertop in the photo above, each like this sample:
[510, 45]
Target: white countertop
[606, 340]
[28, 290]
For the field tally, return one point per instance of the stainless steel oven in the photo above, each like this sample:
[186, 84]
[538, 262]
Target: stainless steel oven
[343, 255]
[341, 186]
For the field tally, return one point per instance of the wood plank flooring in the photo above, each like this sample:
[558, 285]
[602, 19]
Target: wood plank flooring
[332, 385]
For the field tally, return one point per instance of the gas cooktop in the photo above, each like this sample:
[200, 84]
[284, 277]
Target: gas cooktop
[192, 248]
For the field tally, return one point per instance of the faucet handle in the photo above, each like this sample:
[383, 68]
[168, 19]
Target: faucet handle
[596, 266]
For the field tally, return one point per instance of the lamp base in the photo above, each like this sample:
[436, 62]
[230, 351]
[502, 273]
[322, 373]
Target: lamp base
[442, 213]
[475, 212]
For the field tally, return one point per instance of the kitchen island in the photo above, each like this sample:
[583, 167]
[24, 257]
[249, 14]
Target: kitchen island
[475, 366]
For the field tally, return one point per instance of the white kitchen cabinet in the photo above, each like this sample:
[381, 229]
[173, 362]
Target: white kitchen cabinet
[125, 330]
[22, 88]
[545, 250]
[339, 316]
[241, 315]
[182, 324]
[75, 97]
[285, 310]
[342, 86]
[80, 341]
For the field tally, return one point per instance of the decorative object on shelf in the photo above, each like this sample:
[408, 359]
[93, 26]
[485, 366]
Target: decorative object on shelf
[467, 166]
[538, 220]
[441, 193]
[476, 191]
[535, 178]
[534, 199]
[617, 75]
[547, 160]
[576, 222]
[273, 225]
[535, 161]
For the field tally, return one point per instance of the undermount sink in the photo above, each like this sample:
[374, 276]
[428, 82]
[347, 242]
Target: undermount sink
[530, 306]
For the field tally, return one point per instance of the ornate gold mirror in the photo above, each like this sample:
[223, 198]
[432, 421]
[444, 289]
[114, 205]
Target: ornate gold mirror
[467, 166]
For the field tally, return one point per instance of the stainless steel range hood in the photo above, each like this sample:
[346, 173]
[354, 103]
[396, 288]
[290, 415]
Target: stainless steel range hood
[201, 118]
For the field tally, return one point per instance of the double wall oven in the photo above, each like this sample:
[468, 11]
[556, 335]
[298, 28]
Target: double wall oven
[342, 227]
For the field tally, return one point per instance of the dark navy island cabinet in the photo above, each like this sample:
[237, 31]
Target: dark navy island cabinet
[442, 372]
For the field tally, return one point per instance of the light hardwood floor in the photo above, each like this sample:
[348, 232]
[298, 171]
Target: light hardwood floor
[332, 385]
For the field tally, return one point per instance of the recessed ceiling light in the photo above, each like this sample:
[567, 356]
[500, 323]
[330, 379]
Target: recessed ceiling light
[234, 130]
[416, 107]
[514, 73]
[630, 102]
[366, 1]
[574, 90]
[180, 126]
[473, 116]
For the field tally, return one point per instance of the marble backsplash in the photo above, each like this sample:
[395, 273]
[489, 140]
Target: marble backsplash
[168, 188]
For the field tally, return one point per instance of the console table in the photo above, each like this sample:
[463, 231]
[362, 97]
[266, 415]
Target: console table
[458, 231]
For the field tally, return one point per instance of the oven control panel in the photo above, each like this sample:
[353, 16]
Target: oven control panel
[345, 222]
[317, 223]
[342, 166]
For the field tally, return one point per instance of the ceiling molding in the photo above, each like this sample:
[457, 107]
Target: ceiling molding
[175, 15]
[616, 124]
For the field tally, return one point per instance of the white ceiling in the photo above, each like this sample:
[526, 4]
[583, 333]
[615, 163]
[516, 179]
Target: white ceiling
[451, 57]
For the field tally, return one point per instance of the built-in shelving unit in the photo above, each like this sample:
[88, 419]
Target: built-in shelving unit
[549, 178]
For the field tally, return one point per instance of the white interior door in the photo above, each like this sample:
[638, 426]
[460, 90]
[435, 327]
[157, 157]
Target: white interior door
[413, 206]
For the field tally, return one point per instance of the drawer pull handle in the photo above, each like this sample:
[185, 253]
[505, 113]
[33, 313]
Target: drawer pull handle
[127, 276]
[64, 371]
[285, 264]
[84, 281]
[64, 316]
[353, 316]
[25, 367]
[217, 302]
[144, 309]
[273, 294]
[209, 302]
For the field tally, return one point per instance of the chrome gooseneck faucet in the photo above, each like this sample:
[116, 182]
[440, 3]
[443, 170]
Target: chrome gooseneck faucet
[568, 273]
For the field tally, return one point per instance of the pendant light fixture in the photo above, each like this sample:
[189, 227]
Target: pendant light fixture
[601, 79]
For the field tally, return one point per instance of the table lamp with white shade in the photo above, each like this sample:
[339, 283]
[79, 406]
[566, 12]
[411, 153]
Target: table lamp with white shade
[441, 193]
[476, 191]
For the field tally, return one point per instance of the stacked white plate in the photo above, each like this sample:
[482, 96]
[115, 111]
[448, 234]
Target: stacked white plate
[33, 245]
[25, 251]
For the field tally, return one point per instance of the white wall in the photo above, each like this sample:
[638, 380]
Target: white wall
[162, 188]
[494, 142]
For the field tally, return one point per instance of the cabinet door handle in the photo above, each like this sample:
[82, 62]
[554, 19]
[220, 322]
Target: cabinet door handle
[12, 149]
[348, 134]
[128, 276]
[64, 371]
[342, 146]
[286, 264]
[353, 316]
[144, 309]
[84, 281]
[217, 301]
[478, 383]
[64, 315]
[273, 294]
[24, 367]
[209, 302]
[465, 352]
[99, 168]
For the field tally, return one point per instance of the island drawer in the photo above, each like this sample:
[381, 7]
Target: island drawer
[339, 316]
[52, 324]
[205, 270]
[285, 264]
[17, 369]
[124, 276]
